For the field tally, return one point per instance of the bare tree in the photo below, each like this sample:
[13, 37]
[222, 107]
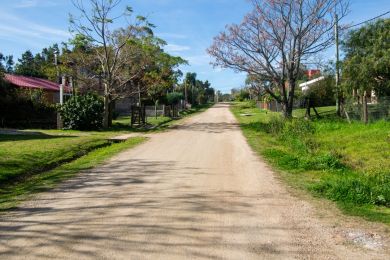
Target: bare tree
[275, 39]
[95, 22]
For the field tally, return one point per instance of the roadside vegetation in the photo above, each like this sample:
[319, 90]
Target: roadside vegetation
[346, 163]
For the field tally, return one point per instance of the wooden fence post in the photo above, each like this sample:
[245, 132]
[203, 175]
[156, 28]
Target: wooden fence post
[365, 108]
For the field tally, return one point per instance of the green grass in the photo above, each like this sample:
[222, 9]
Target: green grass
[12, 195]
[347, 163]
[322, 111]
[24, 155]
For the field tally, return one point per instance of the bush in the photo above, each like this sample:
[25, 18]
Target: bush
[20, 109]
[247, 104]
[275, 125]
[174, 98]
[83, 112]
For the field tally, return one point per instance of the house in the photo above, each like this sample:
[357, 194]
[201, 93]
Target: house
[51, 90]
[306, 85]
[311, 73]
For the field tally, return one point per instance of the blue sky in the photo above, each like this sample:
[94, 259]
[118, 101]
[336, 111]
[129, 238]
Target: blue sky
[187, 25]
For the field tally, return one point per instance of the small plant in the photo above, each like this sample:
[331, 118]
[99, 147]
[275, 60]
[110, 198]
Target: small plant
[275, 125]
[247, 104]
[82, 112]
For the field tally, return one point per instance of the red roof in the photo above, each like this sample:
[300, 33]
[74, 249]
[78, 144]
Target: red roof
[35, 83]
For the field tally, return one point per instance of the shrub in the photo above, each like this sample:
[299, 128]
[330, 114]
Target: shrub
[275, 125]
[19, 109]
[83, 112]
[174, 98]
[247, 104]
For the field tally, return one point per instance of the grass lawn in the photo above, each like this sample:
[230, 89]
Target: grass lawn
[23, 155]
[347, 163]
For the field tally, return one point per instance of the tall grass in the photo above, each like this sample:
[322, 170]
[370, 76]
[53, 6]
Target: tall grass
[324, 158]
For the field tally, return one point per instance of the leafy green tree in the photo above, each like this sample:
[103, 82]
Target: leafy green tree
[6, 63]
[367, 59]
[2, 67]
[95, 21]
[28, 65]
[163, 75]
[195, 90]
[174, 98]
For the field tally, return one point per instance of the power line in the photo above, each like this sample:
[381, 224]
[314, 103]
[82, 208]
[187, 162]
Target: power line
[366, 21]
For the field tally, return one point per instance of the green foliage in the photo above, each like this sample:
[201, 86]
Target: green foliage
[247, 104]
[347, 163]
[355, 188]
[6, 64]
[198, 92]
[83, 112]
[174, 98]
[241, 95]
[367, 62]
[25, 155]
[24, 108]
[322, 93]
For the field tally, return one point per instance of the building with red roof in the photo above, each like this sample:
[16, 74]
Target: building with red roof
[311, 73]
[50, 89]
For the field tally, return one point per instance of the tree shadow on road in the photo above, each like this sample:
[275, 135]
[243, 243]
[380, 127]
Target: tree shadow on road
[140, 208]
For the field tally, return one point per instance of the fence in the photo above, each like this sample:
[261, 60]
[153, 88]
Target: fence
[153, 111]
[274, 106]
[163, 110]
[368, 109]
[271, 106]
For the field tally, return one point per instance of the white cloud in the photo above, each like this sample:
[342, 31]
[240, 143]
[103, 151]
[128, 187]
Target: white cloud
[15, 28]
[34, 3]
[176, 48]
[198, 60]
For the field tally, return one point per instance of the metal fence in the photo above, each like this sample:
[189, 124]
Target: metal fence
[153, 111]
[273, 106]
[368, 110]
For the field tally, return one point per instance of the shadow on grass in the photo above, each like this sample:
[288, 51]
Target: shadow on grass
[12, 179]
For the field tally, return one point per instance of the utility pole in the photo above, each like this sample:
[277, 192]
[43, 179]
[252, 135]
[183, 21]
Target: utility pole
[185, 94]
[59, 119]
[62, 85]
[71, 86]
[338, 99]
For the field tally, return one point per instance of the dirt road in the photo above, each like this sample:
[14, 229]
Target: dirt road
[194, 192]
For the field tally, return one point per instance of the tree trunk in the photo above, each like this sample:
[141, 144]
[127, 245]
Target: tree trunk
[106, 114]
[110, 112]
[365, 108]
[287, 109]
[155, 108]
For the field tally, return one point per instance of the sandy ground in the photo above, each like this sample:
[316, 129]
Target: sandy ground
[194, 192]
